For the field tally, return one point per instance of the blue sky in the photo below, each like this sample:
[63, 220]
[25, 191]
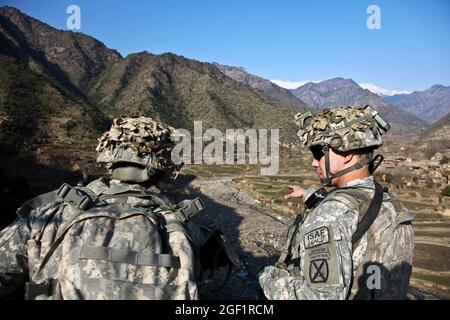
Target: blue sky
[285, 40]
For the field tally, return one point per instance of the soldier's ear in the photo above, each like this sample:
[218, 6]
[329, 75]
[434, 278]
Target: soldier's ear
[348, 157]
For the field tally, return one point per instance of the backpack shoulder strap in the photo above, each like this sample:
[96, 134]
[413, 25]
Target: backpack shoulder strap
[355, 196]
[370, 215]
[368, 207]
[184, 209]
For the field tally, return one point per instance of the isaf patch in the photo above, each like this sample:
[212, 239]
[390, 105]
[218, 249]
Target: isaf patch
[318, 271]
[317, 237]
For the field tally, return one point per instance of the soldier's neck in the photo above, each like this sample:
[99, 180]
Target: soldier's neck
[353, 175]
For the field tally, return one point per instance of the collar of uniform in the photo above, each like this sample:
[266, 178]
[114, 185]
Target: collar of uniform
[364, 182]
[117, 187]
[98, 186]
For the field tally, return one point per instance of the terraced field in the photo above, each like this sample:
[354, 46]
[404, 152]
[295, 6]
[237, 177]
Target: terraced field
[432, 253]
[269, 191]
[216, 171]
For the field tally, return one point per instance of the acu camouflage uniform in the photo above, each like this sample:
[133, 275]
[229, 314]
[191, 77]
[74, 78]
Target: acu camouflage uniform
[108, 240]
[322, 258]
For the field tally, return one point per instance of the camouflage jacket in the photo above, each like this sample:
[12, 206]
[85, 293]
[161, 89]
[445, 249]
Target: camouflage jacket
[110, 251]
[324, 264]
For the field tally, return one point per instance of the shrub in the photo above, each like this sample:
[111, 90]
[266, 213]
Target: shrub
[446, 191]
[70, 125]
[412, 194]
[444, 160]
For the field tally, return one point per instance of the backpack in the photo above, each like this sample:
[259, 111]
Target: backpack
[389, 244]
[388, 249]
[128, 245]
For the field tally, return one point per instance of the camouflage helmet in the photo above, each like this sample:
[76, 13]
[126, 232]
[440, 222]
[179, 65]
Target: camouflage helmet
[344, 129]
[142, 142]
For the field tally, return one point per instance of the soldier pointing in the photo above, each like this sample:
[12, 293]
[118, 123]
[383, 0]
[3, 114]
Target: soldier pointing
[354, 240]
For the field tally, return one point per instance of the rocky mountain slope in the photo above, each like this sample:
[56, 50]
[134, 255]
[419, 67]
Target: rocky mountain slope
[180, 90]
[71, 85]
[241, 75]
[41, 99]
[430, 105]
[439, 130]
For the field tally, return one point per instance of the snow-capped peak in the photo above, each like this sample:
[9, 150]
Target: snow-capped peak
[369, 86]
[292, 84]
[381, 91]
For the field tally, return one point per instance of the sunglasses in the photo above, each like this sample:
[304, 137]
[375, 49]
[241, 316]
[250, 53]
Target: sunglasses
[317, 152]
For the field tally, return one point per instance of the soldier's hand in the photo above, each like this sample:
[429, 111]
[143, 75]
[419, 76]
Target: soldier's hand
[297, 192]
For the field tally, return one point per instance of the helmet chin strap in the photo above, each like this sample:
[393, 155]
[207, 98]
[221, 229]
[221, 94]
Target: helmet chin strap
[330, 176]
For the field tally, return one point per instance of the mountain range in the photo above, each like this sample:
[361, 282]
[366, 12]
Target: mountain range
[339, 91]
[64, 87]
[431, 105]
[241, 75]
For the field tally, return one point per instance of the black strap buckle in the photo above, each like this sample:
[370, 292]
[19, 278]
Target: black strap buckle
[32, 290]
[375, 162]
[74, 196]
[188, 208]
[316, 198]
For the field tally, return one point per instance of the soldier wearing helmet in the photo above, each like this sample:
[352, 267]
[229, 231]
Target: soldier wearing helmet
[354, 240]
[118, 238]
[137, 149]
